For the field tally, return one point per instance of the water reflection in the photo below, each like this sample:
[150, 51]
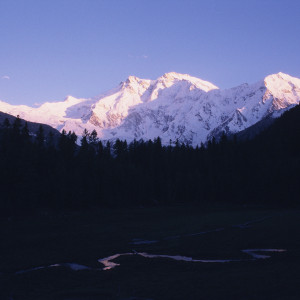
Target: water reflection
[108, 264]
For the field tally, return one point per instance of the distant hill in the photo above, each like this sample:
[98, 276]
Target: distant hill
[32, 126]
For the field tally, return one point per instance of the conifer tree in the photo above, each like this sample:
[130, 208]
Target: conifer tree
[84, 140]
[40, 137]
[6, 123]
[16, 126]
[25, 132]
[71, 143]
[62, 141]
[100, 149]
[107, 150]
[50, 140]
[92, 138]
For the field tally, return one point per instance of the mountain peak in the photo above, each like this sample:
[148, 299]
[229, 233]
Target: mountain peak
[176, 76]
[132, 79]
[281, 81]
[280, 76]
[199, 83]
[70, 98]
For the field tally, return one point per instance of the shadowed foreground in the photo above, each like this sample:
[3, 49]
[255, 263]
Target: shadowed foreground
[76, 240]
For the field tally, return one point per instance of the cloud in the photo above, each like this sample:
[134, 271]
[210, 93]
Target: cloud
[5, 77]
[144, 56]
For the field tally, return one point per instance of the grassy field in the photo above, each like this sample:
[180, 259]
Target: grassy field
[84, 238]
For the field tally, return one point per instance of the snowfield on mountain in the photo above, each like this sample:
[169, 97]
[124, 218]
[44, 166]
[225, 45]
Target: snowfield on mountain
[174, 107]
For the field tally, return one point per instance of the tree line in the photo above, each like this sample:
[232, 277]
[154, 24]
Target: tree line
[40, 173]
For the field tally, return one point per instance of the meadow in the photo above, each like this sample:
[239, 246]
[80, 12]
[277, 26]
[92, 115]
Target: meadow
[206, 233]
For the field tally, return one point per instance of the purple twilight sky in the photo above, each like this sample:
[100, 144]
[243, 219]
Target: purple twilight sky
[53, 48]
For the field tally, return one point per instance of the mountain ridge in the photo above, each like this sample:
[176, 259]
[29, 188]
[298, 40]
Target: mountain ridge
[174, 106]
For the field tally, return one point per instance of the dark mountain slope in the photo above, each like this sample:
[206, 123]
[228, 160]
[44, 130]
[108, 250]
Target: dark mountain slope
[32, 127]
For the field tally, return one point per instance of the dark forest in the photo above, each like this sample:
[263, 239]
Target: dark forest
[42, 173]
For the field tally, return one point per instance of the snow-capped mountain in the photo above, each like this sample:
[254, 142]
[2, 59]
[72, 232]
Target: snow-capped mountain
[175, 106]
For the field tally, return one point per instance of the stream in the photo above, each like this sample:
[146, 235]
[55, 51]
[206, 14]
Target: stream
[108, 262]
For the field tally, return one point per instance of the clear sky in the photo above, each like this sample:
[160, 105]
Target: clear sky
[53, 48]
